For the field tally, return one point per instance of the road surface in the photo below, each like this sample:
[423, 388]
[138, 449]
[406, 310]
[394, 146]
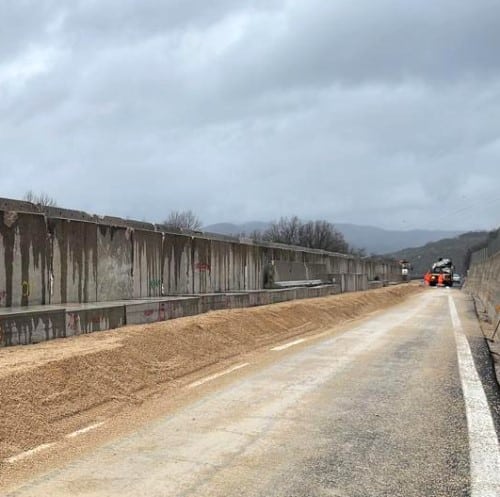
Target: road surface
[403, 403]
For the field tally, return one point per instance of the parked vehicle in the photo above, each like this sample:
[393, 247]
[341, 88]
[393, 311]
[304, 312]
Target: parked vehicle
[405, 269]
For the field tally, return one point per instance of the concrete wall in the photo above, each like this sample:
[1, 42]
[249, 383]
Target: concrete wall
[147, 249]
[73, 269]
[40, 323]
[32, 327]
[115, 278]
[483, 281]
[48, 259]
[24, 259]
[88, 320]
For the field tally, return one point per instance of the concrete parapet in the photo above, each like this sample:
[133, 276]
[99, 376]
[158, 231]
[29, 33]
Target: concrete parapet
[23, 327]
[143, 312]
[28, 325]
[259, 297]
[180, 307]
[212, 302]
[282, 295]
[94, 318]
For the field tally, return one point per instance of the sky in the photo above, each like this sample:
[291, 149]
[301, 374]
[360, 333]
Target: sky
[379, 113]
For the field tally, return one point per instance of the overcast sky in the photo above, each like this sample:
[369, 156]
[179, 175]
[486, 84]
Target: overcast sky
[382, 112]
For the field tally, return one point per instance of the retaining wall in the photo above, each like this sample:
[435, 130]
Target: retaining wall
[483, 281]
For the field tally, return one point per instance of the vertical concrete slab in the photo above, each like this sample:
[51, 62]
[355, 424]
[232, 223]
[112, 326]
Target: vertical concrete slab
[177, 264]
[24, 259]
[220, 266]
[238, 278]
[74, 261]
[290, 271]
[114, 263]
[147, 264]
[256, 262]
[202, 265]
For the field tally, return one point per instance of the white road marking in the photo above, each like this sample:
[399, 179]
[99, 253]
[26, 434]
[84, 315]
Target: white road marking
[217, 375]
[84, 430]
[484, 452]
[289, 344]
[28, 453]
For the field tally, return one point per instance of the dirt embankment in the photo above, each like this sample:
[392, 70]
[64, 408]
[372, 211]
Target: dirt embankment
[50, 389]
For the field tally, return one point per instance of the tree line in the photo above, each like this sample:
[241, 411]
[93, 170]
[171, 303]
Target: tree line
[319, 234]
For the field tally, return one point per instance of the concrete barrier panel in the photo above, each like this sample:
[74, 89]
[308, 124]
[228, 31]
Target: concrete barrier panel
[177, 264]
[24, 259]
[483, 281]
[170, 308]
[141, 313]
[114, 263]
[257, 298]
[282, 295]
[74, 261]
[180, 307]
[147, 270]
[237, 300]
[290, 271]
[213, 302]
[203, 266]
[92, 319]
[31, 326]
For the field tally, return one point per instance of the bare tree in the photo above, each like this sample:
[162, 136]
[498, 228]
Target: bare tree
[41, 198]
[186, 220]
[312, 234]
[286, 230]
[256, 236]
[322, 235]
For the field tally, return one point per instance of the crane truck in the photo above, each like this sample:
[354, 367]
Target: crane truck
[441, 273]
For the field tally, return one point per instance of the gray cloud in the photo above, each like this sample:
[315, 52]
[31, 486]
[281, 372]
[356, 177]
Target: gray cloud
[348, 111]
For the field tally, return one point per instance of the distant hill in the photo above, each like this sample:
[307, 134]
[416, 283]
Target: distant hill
[380, 241]
[455, 248]
[373, 240]
[236, 229]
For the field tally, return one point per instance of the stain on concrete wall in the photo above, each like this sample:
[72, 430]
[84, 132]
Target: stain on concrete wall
[147, 257]
[201, 265]
[73, 269]
[114, 263]
[177, 264]
[24, 258]
[23, 329]
[80, 321]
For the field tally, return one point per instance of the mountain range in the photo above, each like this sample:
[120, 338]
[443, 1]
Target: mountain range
[421, 258]
[370, 238]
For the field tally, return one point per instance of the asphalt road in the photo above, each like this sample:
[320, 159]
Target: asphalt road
[401, 404]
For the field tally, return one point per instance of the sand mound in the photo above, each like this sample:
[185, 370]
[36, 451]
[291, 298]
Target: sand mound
[53, 388]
